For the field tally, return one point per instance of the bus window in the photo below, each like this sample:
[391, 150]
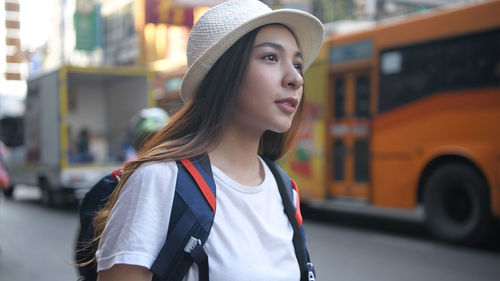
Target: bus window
[362, 96]
[339, 108]
[462, 62]
[339, 154]
[361, 161]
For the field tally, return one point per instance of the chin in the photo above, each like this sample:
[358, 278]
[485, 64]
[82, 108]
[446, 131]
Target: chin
[281, 129]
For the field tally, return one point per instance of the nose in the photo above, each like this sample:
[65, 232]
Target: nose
[292, 78]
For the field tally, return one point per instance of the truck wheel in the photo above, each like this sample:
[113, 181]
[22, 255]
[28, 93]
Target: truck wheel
[457, 205]
[8, 192]
[47, 198]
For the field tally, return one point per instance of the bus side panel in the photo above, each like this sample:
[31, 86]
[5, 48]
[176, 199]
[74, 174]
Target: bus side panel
[462, 123]
[305, 162]
[392, 179]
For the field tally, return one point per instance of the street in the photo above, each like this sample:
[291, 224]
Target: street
[362, 248]
[35, 241]
[37, 244]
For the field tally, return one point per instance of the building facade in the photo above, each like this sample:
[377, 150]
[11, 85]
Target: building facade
[12, 65]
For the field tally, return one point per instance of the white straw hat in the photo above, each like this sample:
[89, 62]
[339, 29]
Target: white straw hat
[221, 26]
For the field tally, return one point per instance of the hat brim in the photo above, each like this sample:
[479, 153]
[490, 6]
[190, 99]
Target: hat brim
[308, 31]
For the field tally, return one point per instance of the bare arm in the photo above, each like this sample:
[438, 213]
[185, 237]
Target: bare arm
[125, 272]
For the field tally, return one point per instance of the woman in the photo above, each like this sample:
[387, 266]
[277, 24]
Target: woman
[243, 100]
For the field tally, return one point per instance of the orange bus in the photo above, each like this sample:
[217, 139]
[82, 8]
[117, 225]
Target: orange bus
[405, 114]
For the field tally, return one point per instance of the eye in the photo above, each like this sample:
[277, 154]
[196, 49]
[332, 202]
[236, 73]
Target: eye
[298, 66]
[271, 57]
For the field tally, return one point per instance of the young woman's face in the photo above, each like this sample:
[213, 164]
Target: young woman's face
[272, 87]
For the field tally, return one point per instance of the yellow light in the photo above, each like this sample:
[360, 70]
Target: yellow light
[161, 40]
[198, 12]
[150, 42]
[149, 32]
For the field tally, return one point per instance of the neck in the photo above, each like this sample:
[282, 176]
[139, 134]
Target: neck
[236, 156]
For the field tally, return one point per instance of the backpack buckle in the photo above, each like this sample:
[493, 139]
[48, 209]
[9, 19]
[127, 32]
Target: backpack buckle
[191, 244]
[310, 272]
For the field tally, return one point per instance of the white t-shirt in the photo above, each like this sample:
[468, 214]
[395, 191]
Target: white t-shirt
[251, 238]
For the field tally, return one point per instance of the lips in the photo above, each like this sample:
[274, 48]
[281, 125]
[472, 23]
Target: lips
[288, 104]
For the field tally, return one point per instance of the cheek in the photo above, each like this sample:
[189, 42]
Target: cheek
[256, 79]
[256, 87]
[300, 94]
[260, 75]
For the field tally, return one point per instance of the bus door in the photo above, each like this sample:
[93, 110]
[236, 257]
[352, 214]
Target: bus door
[348, 135]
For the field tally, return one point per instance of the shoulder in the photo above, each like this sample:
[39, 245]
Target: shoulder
[153, 172]
[155, 169]
[151, 180]
[145, 203]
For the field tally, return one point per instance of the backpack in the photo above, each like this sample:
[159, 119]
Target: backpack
[191, 219]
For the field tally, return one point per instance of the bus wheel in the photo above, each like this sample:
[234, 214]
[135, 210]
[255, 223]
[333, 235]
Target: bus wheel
[47, 198]
[457, 204]
[8, 192]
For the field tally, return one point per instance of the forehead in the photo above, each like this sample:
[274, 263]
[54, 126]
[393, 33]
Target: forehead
[277, 33]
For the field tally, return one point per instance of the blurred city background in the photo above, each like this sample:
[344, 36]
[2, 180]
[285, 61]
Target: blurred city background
[398, 160]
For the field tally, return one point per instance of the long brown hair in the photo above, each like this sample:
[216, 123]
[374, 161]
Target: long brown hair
[200, 123]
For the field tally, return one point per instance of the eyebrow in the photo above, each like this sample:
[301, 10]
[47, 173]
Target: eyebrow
[277, 47]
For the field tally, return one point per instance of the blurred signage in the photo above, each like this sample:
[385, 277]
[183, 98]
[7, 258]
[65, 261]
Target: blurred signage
[352, 51]
[120, 40]
[168, 12]
[342, 130]
[87, 25]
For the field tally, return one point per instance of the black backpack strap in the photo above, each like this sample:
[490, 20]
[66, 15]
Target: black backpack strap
[93, 202]
[204, 162]
[285, 189]
[191, 219]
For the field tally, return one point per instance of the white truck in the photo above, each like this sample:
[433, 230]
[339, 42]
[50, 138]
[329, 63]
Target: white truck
[75, 128]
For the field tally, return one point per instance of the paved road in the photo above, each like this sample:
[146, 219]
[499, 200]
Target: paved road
[361, 248]
[36, 244]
